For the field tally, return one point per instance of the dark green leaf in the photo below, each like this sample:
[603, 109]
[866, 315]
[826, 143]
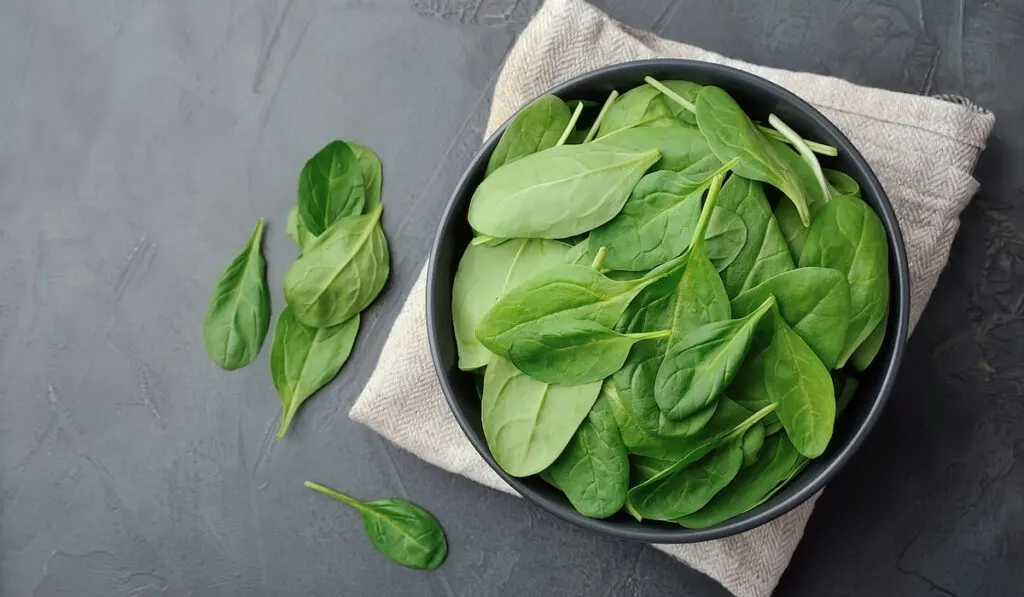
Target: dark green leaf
[528, 423]
[683, 149]
[340, 273]
[868, 350]
[536, 127]
[239, 313]
[330, 187]
[726, 237]
[369, 166]
[404, 532]
[645, 106]
[753, 440]
[841, 183]
[304, 359]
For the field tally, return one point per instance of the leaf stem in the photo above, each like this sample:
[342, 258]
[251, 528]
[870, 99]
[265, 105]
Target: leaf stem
[682, 101]
[804, 151]
[651, 335]
[706, 211]
[749, 422]
[815, 147]
[600, 116]
[599, 258]
[341, 497]
[571, 126]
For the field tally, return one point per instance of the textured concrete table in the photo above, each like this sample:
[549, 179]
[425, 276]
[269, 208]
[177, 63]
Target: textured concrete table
[140, 141]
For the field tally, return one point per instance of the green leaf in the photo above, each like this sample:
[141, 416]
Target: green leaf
[849, 237]
[815, 301]
[730, 134]
[593, 471]
[841, 183]
[802, 389]
[239, 313]
[683, 149]
[528, 423]
[655, 224]
[404, 532]
[868, 350]
[645, 106]
[699, 366]
[573, 291]
[370, 168]
[643, 468]
[296, 229]
[558, 192]
[572, 351]
[536, 127]
[726, 237]
[484, 274]
[340, 273]
[304, 359]
[753, 441]
[765, 253]
[330, 187]
[774, 464]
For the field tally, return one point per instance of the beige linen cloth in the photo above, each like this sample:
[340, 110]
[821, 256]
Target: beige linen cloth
[922, 149]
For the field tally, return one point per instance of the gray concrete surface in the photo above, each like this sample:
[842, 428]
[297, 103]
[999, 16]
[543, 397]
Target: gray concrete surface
[140, 141]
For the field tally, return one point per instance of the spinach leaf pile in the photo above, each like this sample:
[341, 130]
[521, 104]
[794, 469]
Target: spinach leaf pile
[664, 306]
[343, 266]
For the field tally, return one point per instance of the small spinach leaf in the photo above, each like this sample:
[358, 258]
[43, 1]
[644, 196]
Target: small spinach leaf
[683, 149]
[237, 319]
[340, 273]
[369, 166]
[536, 127]
[330, 187]
[868, 350]
[726, 237]
[849, 237]
[404, 532]
[765, 253]
[841, 183]
[701, 364]
[645, 106]
[304, 359]
[753, 440]
[528, 423]
[593, 471]
[296, 229]
[558, 192]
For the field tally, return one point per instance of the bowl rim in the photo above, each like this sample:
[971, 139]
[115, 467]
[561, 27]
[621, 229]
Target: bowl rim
[769, 510]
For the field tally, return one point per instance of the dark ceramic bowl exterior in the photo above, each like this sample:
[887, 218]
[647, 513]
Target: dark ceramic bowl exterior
[759, 98]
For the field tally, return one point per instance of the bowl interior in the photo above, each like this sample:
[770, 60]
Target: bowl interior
[758, 98]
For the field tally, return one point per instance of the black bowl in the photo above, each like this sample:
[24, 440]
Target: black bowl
[758, 98]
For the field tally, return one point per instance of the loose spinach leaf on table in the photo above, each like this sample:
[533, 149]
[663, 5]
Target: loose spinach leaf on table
[558, 192]
[296, 229]
[815, 301]
[801, 387]
[593, 471]
[304, 359]
[573, 351]
[701, 364]
[774, 464]
[849, 237]
[404, 532]
[536, 127]
[483, 275]
[330, 187]
[528, 423]
[238, 316]
[574, 291]
[373, 176]
[765, 253]
[340, 273]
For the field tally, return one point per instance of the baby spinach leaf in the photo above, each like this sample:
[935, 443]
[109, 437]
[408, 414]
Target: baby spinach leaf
[304, 359]
[536, 127]
[643, 468]
[815, 301]
[683, 149]
[751, 484]
[690, 482]
[701, 364]
[849, 237]
[726, 237]
[730, 133]
[296, 229]
[558, 192]
[753, 440]
[339, 273]
[484, 274]
[579, 254]
[573, 291]
[868, 350]
[645, 106]
[655, 224]
[801, 387]
[573, 351]
[765, 253]
[841, 183]
[239, 313]
[846, 388]
[369, 166]
[404, 532]
[593, 471]
[330, 187]
[528, 423]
